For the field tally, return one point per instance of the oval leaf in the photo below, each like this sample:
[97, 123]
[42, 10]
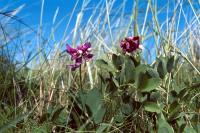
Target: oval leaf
[152, 107]
[151, 84]
[170, 64]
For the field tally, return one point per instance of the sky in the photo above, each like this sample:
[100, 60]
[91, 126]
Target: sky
[30, 14]
[31, 11]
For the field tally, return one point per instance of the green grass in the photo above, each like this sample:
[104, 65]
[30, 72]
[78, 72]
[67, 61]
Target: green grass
[38, 93]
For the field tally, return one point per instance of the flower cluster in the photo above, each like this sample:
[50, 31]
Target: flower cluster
[79, 54]
[130, 44]
[83, 51]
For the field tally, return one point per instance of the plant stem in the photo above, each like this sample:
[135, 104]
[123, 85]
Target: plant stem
[168, 87]
[80, 78]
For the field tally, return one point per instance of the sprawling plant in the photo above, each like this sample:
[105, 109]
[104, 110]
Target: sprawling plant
[137, 97]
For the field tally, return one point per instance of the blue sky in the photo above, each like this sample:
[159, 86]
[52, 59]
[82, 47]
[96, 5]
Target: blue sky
[32, 9]
[30, 14]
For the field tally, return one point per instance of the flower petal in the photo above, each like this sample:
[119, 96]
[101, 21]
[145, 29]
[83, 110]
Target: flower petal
[84, 47]
[130, 44]
[87, 45]
[70, 50]
[74, 66]
[135, 38]
[79, 60]
[88, 57]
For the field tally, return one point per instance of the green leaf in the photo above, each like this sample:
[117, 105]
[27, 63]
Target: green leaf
[161, 68]
[126, 109]
[189, 129]
[152, 107]
[181, 122]
[170, 64]
[12, 123]
[141, 76]
[94, 101]
[128, 73]
[141, 79]
[141, 98]
[102, 128]
[128, 70]
[174, 110]
[164, 127]
[141, 68]
[56, 114]
[153, 73]
[41, 129]
[82, 96]
[99, 115]
[115, 82]
[125, 97]
[117, 61]
[151, 84]
[198, 127]
[102, 64]
[119, 117]
[155, 96]
[135, 60]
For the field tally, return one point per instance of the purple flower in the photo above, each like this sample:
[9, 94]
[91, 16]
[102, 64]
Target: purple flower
[79, 54]
[73, 66]
[130, 44]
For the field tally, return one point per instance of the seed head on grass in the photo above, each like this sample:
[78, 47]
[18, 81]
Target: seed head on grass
[79, 54]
